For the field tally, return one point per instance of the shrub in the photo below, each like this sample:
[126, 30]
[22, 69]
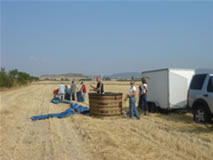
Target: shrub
[14, 77]
[14, 73]
[5, 79]
[23, 78]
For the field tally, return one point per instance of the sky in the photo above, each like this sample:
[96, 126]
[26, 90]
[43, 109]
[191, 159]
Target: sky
[90, 37]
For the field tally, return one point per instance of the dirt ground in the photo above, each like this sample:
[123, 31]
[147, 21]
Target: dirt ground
[82, 137]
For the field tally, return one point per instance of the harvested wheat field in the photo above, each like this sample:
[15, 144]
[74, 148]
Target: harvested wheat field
[82, 137]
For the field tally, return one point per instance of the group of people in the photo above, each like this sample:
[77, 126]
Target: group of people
[64, 92]
[142, 103]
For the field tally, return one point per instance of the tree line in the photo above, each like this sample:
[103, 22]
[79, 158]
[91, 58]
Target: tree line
[14, 78]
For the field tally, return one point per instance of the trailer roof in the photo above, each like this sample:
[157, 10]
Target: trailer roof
[167, 69]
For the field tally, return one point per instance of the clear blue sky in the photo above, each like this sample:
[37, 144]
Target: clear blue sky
[105, 37]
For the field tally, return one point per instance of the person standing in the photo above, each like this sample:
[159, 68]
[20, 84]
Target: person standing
[83, 91]
[144, 90]
[132, 99]
[73, 91]
[61, 91]
[100, 86]
[140, 97]
[67, 93]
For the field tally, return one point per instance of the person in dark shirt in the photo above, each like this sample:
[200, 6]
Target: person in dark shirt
[67, 93]
[100, 86]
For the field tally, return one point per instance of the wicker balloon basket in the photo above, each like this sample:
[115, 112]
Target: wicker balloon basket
[107, 104]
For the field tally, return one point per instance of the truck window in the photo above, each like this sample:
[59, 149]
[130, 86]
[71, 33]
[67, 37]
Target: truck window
[197, 82]
[210, 85]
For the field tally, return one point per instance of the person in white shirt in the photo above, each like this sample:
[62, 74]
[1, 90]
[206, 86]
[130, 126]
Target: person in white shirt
[132, 108]
[144, 90]
[61, 91]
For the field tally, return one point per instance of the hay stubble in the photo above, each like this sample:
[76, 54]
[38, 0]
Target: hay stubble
[173, 136]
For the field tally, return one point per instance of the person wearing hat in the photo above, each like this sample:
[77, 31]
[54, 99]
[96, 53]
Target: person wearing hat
[132, 99]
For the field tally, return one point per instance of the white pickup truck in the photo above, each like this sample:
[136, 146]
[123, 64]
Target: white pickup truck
[200, 97]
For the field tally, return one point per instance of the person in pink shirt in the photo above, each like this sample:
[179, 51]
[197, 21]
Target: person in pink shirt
[83, 91]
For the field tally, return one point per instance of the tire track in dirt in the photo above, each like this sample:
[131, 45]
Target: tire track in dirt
[20, 126]
[25, 127]
[45, 139]
[12, 112]
[66, 138]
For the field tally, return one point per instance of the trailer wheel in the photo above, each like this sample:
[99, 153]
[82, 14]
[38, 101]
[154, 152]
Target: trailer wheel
[152, 107]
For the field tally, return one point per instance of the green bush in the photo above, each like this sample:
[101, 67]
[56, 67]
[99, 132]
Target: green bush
[34, 78]
[14, 73]
[14, 77]
[5, 79]
[23, 78]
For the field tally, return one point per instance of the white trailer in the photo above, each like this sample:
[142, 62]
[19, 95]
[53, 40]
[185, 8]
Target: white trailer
[168, 87]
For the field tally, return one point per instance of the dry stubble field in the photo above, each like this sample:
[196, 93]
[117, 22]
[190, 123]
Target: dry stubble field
[81, 137]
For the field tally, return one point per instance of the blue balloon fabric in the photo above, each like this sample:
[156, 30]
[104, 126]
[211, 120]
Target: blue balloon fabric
[75, 108]
[79, 109]
[56, 100]
[67, 113]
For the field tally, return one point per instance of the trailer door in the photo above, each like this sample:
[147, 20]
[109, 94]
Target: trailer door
[158, 87]
[179, 81]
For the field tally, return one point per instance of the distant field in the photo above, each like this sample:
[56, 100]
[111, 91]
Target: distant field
[82, 137]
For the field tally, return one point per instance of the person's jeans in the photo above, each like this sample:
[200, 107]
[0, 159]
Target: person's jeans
[84, 96]
[144, 103]
[132, 109]
[72, 96]
[140, 102]
[67, 96]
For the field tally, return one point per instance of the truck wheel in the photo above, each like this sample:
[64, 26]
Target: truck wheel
[201, 114]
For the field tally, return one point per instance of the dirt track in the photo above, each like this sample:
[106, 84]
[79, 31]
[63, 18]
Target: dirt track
[81, 137]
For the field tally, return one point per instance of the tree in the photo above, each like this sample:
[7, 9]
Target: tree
[14, 77]
[2, 70]
[5, 79]
[23, 78]
[34, 78]
[14, 73]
